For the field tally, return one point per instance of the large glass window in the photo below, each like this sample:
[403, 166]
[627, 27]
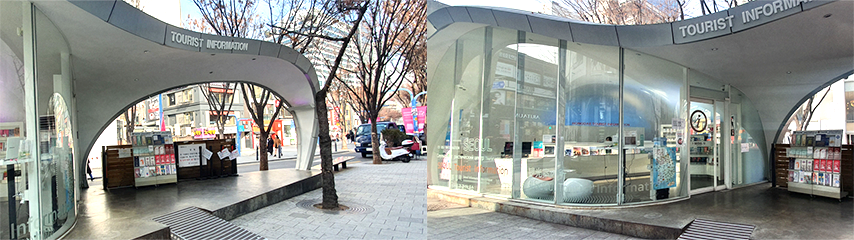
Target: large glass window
[535, 116]
[14, 213]
[55, 133]
[654, 98]
[499, 134]
[590, 98]
[499, 88]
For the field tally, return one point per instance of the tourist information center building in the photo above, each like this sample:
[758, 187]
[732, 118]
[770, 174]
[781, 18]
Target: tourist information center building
[556, 111]
[69, 68]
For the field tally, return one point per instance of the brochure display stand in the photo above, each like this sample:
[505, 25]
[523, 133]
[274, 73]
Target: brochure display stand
[153, 159]
[816, 163]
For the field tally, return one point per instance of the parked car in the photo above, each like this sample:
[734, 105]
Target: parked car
[363, 136]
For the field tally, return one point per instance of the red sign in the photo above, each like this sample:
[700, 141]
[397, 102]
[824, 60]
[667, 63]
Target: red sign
[221, 90]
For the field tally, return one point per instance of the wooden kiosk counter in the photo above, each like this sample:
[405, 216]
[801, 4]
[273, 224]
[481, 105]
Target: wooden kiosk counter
[154, 159]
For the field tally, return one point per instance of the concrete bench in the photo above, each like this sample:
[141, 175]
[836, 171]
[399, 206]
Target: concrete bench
[342, 161]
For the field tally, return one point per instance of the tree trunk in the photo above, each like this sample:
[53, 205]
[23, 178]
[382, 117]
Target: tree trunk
[375, 143]
[330, 196]
[263, 151]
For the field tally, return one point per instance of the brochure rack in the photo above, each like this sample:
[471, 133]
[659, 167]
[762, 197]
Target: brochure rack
[153, 159]
[816, 163]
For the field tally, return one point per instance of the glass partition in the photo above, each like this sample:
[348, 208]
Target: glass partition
[14, 213]
[497, 161]
[56, 175]
[499, 133]
[535, 116]
[590, 105]
[654, 99]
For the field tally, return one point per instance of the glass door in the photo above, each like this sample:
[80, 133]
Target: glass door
[705, 148]
[736, 148]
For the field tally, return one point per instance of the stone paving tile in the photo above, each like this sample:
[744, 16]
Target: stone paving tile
[474, 223]
[390, 189]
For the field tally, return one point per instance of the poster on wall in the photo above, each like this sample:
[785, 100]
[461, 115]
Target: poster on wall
[664, 167]
[188, 155]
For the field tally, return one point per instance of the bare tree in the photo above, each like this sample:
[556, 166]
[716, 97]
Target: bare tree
[130, 122]
[417, 82]
[621, 12]
[220, 98]
[388, 37]
[260, 99]
[233, 18]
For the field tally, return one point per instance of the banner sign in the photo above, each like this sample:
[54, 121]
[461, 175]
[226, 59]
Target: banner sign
[410, 116]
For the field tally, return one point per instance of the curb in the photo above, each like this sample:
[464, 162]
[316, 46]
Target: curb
[290, 158]
[558, 216]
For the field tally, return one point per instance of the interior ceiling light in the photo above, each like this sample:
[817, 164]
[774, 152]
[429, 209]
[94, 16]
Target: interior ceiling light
[828, 15]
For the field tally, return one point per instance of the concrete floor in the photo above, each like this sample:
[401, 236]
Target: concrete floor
[127, 213]
[776, 213]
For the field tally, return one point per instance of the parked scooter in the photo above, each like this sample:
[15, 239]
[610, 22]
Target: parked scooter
[394, 153]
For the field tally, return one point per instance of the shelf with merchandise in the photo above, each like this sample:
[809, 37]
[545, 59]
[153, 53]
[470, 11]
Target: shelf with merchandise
[814, 163]
[153, 159]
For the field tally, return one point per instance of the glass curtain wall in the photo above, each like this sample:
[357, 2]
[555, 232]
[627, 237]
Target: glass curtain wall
[655, 98]
[511, 89]
[535, 116]
[55, 132]
[590, 99]
[39, 188]
[498, 119]
[15, 170]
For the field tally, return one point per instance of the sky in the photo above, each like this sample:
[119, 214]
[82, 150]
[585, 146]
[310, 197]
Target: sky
[526, 5]
[692, 7]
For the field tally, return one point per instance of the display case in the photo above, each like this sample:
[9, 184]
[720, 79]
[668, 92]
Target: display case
[153, 159]
[817, 164]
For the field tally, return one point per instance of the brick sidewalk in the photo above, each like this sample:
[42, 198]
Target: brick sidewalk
[396, 192]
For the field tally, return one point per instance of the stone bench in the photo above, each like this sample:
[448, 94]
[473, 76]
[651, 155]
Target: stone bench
[342, 161]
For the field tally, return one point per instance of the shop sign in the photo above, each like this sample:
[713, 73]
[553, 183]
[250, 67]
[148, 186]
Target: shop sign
[153, 109]
[204, 133]
[504, 69]
[532, 78]
[198, 42]
[221, 90]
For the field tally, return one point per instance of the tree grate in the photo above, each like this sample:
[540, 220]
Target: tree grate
[353, 208]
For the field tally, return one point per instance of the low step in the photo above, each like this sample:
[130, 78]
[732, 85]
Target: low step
[192, 223]
[706, 229]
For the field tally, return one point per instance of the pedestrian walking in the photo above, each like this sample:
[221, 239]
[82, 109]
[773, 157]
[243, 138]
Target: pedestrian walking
[270, 144]
[89, 171]
[278, 143]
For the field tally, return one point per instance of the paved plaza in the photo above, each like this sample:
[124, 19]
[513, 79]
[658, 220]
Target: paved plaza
[387, 201]
[452, 221]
